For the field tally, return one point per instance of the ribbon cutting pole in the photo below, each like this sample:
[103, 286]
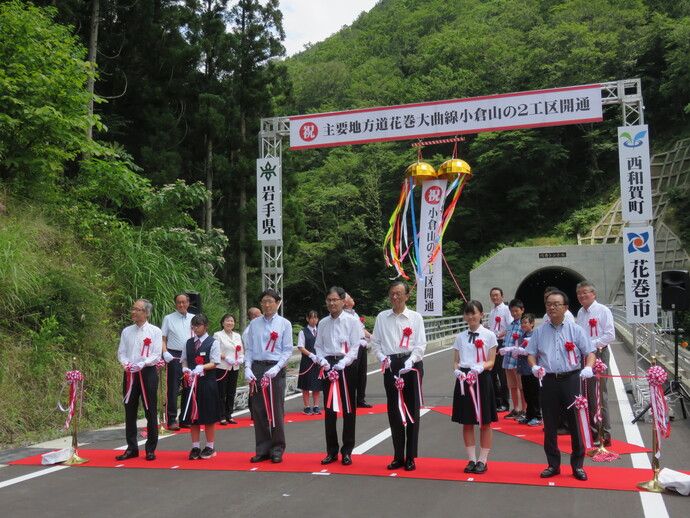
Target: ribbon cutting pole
[75, 459]
[653, 484]
[162, 398]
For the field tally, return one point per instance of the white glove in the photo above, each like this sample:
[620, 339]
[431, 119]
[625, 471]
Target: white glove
[248, 374]
[381, 357]
[478, 368]
[186, 370]
[386, 362]
[340, 365]
[522, 351]
[313, 358]
[505, 350]
[168, 357]
[324, 363]
[133, 367]
[407, 368]
[141, 365]
[230, 361]
[272, 372]
[538, 371]
[586, 373]
[199, 369]
[458, 373]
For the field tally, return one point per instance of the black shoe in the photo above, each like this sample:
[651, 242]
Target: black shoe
[277, 458]
[328, 459]
[347, 460]
[562, 431]
[579, 474]
[129, 454]
[207, 453]
[195, 454]
[259, 458]
[150, 455]
[232, 421]
[364, 404]
[470, 467]
[550, 472]
[410, 465]
[396, 464]
[479, 468]
[607, 441]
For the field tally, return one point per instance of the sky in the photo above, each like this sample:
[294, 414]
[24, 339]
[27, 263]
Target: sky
[311, 21]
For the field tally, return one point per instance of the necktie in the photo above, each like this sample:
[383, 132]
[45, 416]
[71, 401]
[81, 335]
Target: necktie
[197, 344]
[314, 332]
[472, 336]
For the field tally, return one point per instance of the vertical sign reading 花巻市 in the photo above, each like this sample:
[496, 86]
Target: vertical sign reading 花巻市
[429, 278]
[269, 223]
[640, 275]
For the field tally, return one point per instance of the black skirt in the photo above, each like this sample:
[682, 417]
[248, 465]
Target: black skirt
[463, 407]
[309, 381]
[207, 399]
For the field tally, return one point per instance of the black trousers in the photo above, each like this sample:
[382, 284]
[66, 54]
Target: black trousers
[173, 381]
[227, 388]
[150, 378]
[557, 395]
[405, 437]
[530, 387]
[349, 418]
[270, 438]
[361, 375]
[498, 378]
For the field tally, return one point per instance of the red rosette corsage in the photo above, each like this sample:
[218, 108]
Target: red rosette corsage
[147, 341]
[516, 336]
[592, 322]
[405, 340]
[274, 335]
[479, 343]
[199, 360]
[238, 348]
[361, 319]
[569, 346]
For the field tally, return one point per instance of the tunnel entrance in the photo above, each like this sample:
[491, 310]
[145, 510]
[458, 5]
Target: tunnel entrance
[531, 289]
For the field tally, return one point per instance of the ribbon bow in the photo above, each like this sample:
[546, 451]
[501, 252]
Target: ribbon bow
[570, 347]
[471, 379]
[333, 401]
[75, 380]
[481, 355]
[402, 407]
[656, 376]
[405, 340]
[516, 337]
[146, 348]
[497, 324]
[238, 348]
[191, 383]
[593, 329]
[272, 341]
[599, 368]
[130, 372]
[267, 393]
[581, 407]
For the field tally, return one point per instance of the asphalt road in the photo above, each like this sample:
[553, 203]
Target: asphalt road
[105, 492]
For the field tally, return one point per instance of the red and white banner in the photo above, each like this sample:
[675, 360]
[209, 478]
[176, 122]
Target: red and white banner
[538, 108]
[429, 276]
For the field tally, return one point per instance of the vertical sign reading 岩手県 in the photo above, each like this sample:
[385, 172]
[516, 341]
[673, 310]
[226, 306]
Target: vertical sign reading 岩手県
[269, 208]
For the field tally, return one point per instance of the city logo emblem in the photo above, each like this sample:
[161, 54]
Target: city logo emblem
[638, 242]
[633, 142]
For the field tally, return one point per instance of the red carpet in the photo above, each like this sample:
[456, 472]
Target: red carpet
[535, 434]
[600, 477]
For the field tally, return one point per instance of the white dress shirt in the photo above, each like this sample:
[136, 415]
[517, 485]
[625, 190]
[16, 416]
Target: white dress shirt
[258, 335]
[177, 329]
[388, 333]
[132, 345]
[604, 332]
[468, 349]
[336, 335]
[499, 328]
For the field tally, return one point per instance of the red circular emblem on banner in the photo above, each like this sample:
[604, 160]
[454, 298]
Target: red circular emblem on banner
[309, 131]
[434, 195]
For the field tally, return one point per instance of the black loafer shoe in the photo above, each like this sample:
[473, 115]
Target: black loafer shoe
[150, 455]
[259, 458]
[580, 474]
[410, 465]
[232, 421]
[129, 454]
[347, 460]
[479, 468]
[364, 404]
[277, 458]
[550, 472]
[470, 467]
[329, 459]
[396, 464]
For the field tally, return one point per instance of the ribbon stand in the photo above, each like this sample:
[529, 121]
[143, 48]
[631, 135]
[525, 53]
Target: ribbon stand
[653, 485]
[75, 459]
[162, 399]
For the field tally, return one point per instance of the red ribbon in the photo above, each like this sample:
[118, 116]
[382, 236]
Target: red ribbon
[343, 344]
[582, 406]
[479, 344]
[75, 380]
[497, 324]
[267, 393]
[516, 337]
[130, 385]
[272, 341]
[472, 379]
[599, 368]
[656, 376]
[333, 401]
[570, 347]
[402, 407]
[593, 330]
[146, 348]
[405, 340]
[238, 348]
[191, 382]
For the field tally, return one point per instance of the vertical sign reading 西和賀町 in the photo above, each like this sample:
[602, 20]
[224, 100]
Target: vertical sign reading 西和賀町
[640, 275]
[429, 272]
[269, 223]
[635, 173]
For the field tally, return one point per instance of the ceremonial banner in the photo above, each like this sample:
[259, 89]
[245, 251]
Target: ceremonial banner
[553, 107]
[640, 275]
[635, 171]
[269, 200]
[429, 278]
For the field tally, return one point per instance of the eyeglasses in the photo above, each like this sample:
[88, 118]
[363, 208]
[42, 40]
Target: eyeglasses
[587, 292]
[554, 304]
[137, 310]
[333, 300]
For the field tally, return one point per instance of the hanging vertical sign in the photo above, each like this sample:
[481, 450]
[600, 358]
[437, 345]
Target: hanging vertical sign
[635, 171]
[429, 278]
[269, 200]
[640, 275]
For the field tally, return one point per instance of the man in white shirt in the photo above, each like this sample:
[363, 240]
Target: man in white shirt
[597, 322]
[399, 342]
[499, 320]
[337, 346]
[568, 314]
[176, 329]
[138, 353]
